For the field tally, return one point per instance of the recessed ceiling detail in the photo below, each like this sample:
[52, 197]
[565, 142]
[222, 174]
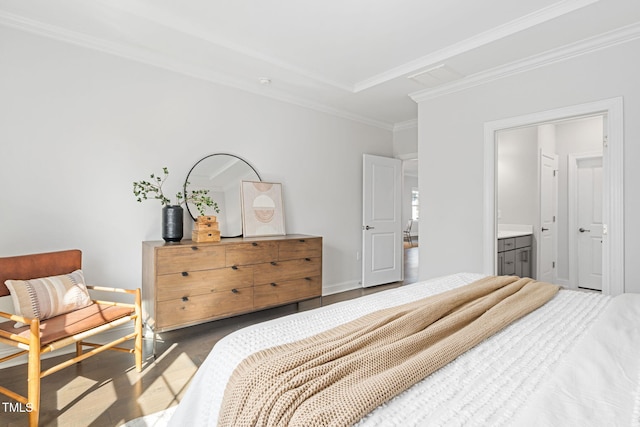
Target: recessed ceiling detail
[436, 76]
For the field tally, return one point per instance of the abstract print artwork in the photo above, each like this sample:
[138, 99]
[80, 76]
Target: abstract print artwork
[262, 209]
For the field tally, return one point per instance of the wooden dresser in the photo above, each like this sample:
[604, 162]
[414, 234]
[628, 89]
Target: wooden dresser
[188, 283]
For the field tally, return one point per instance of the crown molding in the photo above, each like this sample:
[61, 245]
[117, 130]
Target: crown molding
[525, 22]
[162, 61]
[603, 41]
[407, 124]
[186, 29]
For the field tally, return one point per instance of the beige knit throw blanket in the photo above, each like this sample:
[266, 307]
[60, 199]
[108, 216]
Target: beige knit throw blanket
[338, 376]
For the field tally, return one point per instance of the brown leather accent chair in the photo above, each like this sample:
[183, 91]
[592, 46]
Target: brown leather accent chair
[43, 336]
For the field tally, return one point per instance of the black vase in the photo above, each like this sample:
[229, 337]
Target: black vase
[172, 223]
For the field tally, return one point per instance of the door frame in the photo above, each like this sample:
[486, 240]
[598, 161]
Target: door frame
[572, 177]
[613, 181]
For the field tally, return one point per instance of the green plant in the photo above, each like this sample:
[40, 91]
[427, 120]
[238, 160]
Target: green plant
[145, 190]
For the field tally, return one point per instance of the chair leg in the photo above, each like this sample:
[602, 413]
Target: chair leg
[79, 349]
[138, 327]
[138, 344]
[33, 376]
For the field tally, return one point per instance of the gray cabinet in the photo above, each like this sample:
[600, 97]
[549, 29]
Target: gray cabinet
[514, 256]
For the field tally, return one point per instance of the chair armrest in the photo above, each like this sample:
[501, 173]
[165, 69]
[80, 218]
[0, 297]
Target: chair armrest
[136, 292]
[117, 290]
[33, 324]
[16, 318]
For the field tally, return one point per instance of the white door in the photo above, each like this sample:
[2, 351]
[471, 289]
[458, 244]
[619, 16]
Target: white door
[381, 220]
[589, 222]
[548, 214]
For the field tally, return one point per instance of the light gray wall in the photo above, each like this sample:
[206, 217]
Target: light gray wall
[79, 126]
[451, 150]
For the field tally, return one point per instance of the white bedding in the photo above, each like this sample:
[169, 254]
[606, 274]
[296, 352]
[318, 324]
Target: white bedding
[503, 381]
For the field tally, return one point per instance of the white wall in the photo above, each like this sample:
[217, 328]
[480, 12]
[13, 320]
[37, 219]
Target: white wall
[405, 142]
[79, 126]
[517, 176]
[451, 149]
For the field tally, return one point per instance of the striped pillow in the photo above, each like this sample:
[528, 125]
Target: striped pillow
[49, 296]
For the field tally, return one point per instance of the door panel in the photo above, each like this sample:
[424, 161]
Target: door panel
[382, 226]
[548, 214]
[589, 231]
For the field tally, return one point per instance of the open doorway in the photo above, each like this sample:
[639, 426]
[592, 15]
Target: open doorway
[549, 181]
[612, 185]
[410, 218]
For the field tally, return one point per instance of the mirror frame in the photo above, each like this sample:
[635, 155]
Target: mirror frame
[186, 181]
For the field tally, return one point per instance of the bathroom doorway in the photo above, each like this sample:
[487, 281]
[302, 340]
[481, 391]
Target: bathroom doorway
[537, 189]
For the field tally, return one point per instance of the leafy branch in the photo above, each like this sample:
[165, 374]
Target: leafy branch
[145, 190]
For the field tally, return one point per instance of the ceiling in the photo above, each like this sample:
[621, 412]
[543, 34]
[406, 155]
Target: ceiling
[362, 59]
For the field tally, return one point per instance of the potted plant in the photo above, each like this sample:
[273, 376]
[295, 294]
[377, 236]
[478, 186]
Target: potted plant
[172, 214]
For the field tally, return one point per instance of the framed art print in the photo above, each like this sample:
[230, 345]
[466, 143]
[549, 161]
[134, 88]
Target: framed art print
[262, 209]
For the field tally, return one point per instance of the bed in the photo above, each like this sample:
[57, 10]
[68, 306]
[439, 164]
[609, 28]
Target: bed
[573, 361]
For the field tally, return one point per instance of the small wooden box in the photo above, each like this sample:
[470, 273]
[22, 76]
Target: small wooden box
[207, 235]
[203, 219]
[206, 226]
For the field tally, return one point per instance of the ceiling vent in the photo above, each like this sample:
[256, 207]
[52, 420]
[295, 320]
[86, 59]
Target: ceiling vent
[436, 76]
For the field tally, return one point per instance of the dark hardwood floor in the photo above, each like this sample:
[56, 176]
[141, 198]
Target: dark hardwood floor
[106, 391]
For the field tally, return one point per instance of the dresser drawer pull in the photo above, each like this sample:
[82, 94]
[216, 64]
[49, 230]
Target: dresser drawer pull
[234, 290]
[301, 240]
[234, 267]
[274, 263]
[254, 244]
[274, 284]
[195, 248]
[308, 278]
[185, 299]
[307, 259]
[185, 273]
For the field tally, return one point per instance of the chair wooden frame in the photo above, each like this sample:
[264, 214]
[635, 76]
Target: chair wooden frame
[49, 264]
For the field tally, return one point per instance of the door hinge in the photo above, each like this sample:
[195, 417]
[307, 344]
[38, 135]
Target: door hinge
[553, 264]
[554, 218]
[605, 141]
[555, 172]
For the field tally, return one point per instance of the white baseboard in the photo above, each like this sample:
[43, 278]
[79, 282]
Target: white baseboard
[340, 287]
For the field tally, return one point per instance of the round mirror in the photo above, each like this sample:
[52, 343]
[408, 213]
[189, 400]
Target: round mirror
[222, 175]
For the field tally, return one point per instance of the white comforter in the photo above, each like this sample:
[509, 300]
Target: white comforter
[574, 361]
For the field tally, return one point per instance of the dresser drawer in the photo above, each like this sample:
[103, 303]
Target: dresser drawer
[286, 292]
[300, 248]
[286, 270]
[183, 311]
[178, 285]
[251, 253]
[509, 263]
[190, 258]
[506, 244]
[523, 241]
